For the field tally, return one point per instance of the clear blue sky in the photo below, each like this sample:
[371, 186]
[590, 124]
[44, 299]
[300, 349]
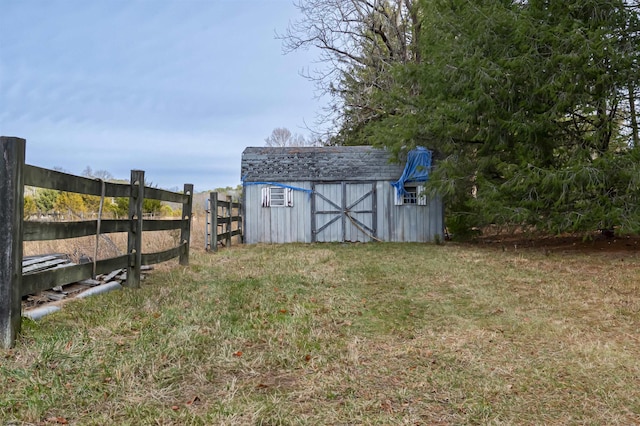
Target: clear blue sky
[177, 88]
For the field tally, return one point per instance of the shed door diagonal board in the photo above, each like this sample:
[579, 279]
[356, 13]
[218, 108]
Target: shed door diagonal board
[343, 211]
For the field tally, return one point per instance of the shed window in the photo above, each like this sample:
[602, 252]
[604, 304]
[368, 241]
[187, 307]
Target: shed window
[275, 196]
[414, 194]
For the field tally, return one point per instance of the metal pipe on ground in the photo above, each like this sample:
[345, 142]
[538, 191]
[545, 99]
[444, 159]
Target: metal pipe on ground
[37, 313]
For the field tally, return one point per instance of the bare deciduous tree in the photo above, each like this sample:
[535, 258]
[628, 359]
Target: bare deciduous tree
[97, 174]
[282, 136]
[358, 40]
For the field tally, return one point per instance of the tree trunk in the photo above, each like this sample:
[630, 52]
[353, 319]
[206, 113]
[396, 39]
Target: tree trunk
[634, 118]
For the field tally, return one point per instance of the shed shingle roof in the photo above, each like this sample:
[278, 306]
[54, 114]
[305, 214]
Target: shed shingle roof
[331, 163]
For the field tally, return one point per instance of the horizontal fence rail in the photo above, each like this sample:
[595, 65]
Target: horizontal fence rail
[222, 218]
[15, 175]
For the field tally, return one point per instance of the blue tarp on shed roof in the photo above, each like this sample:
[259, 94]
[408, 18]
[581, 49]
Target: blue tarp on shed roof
[416, 170]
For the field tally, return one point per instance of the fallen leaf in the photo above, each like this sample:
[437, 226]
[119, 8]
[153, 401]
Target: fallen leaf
[193, 400]
[175, 407]
[283, 311]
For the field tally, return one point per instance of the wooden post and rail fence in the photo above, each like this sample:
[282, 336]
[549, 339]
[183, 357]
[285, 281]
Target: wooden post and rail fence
[15, 175]
[221, 217]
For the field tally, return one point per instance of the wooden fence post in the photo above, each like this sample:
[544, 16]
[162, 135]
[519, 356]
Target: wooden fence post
[185, 231]
[11, 218]
[241, 219]
[229, 219]
[134, 242]
[207, 225]
[213, 205]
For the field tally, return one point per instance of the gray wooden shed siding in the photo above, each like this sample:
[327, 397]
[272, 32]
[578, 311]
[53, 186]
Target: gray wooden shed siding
[408, 223]
[331, 166]
[277, 224]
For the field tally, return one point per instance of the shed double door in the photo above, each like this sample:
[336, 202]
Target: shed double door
[343, 211]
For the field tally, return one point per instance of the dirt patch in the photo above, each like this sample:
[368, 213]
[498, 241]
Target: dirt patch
[595, 243]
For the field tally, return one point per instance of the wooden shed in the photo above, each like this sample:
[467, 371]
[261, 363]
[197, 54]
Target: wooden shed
[329, 194]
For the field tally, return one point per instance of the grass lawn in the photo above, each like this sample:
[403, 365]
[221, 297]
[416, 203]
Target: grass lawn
[388, 334]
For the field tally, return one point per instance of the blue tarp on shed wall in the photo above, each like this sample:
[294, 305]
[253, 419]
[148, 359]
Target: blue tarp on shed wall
[416, 170]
